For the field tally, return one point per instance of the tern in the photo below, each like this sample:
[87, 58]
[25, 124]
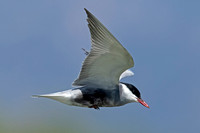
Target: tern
[98, 84]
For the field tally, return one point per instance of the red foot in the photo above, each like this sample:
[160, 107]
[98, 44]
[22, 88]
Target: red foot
[95, 107]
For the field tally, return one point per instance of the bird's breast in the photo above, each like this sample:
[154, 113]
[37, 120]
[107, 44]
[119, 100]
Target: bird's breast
[98, 96]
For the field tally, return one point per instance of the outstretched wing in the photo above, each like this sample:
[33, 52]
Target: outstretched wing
[106, 61]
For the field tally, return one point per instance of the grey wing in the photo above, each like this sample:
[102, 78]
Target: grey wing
[106, 61]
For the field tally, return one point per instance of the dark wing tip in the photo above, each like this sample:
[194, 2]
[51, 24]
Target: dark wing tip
[89, 15]
[86, 11]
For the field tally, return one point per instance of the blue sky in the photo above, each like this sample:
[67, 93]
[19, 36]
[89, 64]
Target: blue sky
[40, 52]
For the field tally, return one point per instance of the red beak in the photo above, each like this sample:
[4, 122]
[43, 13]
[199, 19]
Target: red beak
[143, 102]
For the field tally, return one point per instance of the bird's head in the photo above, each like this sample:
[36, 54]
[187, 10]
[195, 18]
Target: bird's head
[133, 94]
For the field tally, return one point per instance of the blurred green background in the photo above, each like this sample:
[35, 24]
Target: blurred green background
[40, 52]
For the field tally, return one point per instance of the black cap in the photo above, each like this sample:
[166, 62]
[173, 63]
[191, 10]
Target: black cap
[133, 89]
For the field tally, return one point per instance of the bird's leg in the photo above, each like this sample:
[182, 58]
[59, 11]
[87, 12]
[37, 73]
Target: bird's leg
[86, 52]
[95, 107]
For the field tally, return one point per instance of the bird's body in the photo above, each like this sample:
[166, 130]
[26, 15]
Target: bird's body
[99, 80]
[94, 97]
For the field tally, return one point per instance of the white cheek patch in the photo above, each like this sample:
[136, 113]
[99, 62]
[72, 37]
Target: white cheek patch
[126, 94]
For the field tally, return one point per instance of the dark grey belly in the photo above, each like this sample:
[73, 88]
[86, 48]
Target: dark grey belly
[98, 97]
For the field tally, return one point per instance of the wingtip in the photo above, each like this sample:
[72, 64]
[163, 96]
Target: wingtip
[86, 10]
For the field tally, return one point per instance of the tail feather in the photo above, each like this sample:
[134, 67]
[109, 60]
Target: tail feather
[52, 95]
[63, 96]
[57, 94]
[37, 96]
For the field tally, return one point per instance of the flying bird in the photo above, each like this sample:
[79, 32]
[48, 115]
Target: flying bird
[98, 84]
